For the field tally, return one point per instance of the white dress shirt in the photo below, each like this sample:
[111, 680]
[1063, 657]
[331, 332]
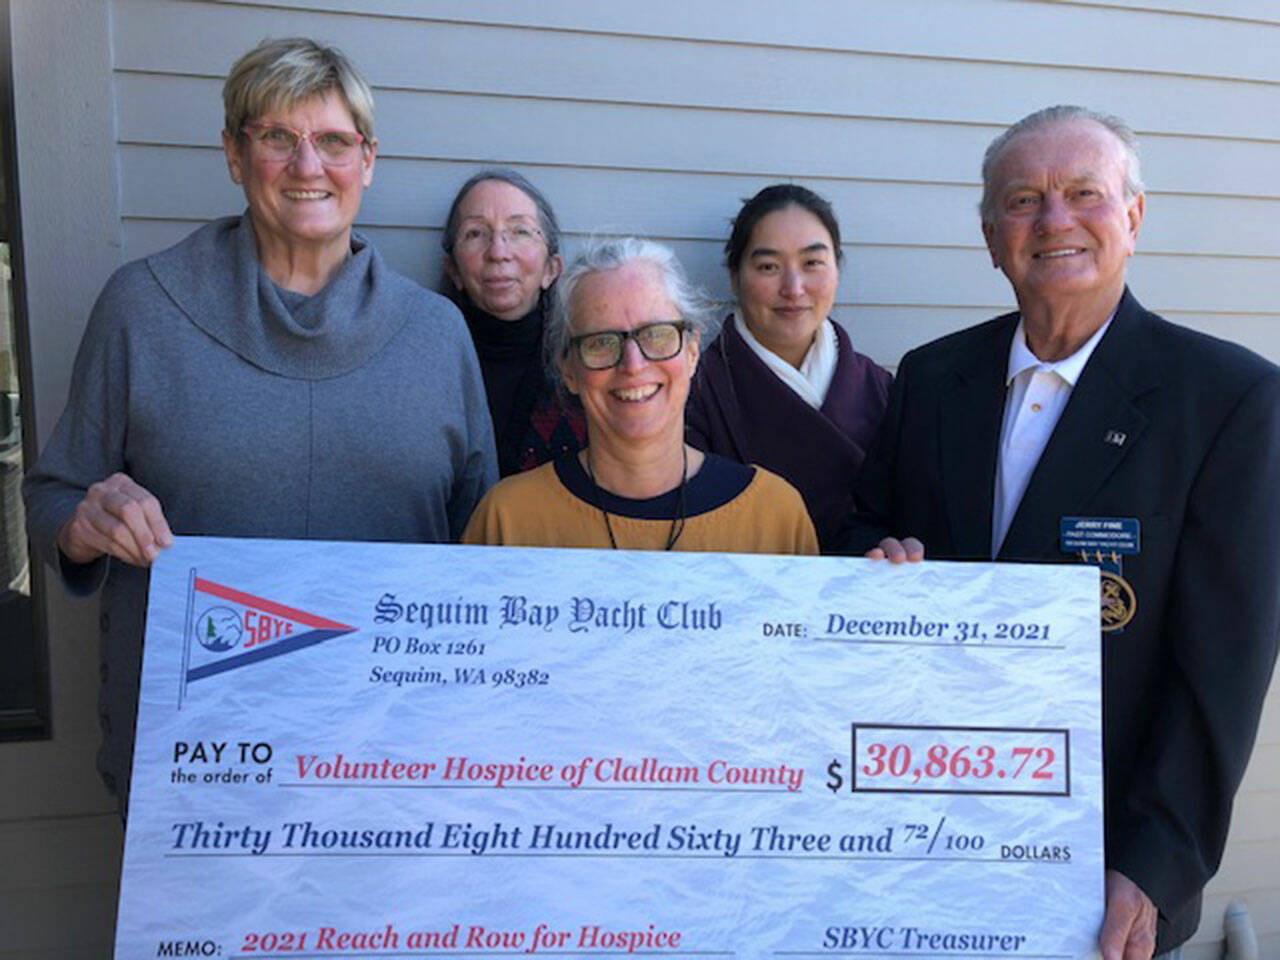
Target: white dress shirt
[1036, 394]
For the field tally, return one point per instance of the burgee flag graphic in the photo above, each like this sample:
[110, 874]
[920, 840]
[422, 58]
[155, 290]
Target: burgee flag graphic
[228, 629]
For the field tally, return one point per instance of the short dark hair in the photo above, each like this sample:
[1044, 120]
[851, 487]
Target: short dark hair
[778, 196]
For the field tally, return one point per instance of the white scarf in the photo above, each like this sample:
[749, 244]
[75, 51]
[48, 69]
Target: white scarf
[812, 381]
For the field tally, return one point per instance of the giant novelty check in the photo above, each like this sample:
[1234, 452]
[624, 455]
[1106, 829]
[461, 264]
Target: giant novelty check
[386, 750]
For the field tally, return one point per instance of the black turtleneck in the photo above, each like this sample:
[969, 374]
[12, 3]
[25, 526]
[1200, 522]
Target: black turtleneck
[510, 353]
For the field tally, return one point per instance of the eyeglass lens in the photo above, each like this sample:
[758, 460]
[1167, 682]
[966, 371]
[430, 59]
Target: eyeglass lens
[657, 341]
[281, 143]
[477, 237]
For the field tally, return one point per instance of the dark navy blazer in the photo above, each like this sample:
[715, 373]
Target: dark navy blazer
[1199, 465]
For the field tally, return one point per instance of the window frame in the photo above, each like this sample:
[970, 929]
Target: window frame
[32, 722]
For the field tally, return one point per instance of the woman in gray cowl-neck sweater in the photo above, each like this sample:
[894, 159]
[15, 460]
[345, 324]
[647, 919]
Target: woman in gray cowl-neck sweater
[269, 376]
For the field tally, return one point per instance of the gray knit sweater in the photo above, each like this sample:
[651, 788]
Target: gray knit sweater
[359, 416]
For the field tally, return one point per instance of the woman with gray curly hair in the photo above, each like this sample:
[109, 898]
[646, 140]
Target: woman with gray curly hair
[623, 336]
[268, 376]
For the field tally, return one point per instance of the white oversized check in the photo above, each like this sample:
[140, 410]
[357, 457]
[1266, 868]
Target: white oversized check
[386, 750]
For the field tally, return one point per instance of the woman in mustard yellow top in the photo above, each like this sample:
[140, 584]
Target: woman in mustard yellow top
[623, 336]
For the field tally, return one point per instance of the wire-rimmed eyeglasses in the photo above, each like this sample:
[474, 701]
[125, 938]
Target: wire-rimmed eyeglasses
[278, 141]
[475, 238]
[603, 349]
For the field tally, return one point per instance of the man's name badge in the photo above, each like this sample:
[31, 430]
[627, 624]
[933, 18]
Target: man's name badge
[1105, 541]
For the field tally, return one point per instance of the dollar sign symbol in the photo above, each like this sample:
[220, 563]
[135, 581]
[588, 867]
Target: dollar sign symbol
[833, 771]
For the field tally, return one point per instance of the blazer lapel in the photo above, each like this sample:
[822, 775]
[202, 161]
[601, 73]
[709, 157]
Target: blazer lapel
[972, 408]
[1098, 428]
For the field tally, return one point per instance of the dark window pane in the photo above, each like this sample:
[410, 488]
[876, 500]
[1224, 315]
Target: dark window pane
[23, 651]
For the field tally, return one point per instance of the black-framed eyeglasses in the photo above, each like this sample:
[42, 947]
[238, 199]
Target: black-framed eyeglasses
[603, 349]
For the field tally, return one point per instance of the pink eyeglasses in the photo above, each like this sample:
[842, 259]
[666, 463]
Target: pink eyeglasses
[276, 141]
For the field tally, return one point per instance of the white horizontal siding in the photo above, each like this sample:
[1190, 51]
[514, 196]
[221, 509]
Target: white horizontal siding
[1064, 33]
[425, 55]
[79, 858]
[1251, 12]
[658, 119]
[1251, 867]
[620, 136]
[1254, 811]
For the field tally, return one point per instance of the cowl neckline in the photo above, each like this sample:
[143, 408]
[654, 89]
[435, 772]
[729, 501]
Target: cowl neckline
[214, 277]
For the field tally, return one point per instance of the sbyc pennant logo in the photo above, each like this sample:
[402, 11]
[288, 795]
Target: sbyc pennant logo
[235, 629]
[219, 629]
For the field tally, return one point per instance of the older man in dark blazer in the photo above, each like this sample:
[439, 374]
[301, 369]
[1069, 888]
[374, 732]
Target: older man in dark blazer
[1083, 427]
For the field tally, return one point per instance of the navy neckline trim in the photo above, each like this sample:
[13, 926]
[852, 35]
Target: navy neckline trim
[718, 482]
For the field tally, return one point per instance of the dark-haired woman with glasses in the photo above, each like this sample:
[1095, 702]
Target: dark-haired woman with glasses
[268, 376]
[623, 336]
[782, 385]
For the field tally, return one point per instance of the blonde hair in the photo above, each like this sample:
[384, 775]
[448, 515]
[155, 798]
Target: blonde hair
[279, 73]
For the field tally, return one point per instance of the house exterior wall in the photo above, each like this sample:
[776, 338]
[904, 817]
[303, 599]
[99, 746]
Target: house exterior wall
[653, 118]
[59, 831]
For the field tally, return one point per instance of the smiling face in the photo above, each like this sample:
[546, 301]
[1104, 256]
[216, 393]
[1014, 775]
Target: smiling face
[1063, 227]
[300, 203]
[786, 282]
[505, 275]
[639, 401]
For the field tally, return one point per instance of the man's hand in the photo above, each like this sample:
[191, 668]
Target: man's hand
[908, 550]
[119, 518]
[1129, 927]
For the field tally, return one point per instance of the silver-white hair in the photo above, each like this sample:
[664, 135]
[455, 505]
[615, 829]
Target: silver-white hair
[601, 255]
[1047, 117]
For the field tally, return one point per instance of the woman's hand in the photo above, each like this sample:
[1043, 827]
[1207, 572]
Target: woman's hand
[119, 518]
